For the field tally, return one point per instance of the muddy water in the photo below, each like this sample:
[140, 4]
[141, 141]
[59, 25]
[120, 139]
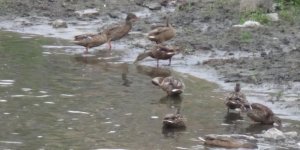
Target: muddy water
[53, 99]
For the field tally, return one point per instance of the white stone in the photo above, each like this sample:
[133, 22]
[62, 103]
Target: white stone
[59, 23]
[248, 24]
[273, 16]
[273, 133]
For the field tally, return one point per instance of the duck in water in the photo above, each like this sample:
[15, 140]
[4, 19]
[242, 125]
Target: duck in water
[236, 99]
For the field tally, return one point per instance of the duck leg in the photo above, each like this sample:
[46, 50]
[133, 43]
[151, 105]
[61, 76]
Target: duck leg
[109, 45]
[170, 61]
[157, 63]
[86, 50]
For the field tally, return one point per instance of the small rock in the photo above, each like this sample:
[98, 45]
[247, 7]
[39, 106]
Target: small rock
[263, 54]
[273, 16]
[153, 5]
[114, 14]
[273, 133]
[59, 23]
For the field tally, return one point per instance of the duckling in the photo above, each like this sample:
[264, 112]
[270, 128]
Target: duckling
[174, 120]
[90, 40]
[117, 32]
[159, 52]
[236, 99]
[162, 33]
[262, 114]
[169, 84]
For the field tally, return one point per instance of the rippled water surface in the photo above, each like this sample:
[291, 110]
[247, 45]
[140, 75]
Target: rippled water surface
[51, 98]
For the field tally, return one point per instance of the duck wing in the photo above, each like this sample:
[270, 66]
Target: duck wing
[158, 30]
[117, 31]
[83, 37]
[259, 112]
[172, 85]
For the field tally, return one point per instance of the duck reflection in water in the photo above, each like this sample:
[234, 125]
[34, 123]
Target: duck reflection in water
[173, 123]
[232, 118]
[126, 81]
[171, 101]
[234, 123]
[153, 71]
[97, 57]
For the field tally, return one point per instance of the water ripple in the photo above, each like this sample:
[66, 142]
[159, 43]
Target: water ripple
[17, 95]
[6, 82]
[3, 100]
[11, 142]
[78, 112]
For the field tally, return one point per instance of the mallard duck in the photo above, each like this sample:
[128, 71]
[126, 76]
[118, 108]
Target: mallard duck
[90, 40]
[262, 114]
[174, 120]
[162, 33]
[119, 31]
[169, 84]
[236, 99]
[227, 141]
[159, 52]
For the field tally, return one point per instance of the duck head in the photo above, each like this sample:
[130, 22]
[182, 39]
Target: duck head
[131, 17]
[141, 56]
[277, 121]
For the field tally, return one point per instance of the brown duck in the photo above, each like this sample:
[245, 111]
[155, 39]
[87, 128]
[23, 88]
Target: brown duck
[262, 114]
[159, 52]
[90, 40]
[174, 120]
[119, 31]
[236, 99]
[162, 33]
[227, 142]
[169, 84]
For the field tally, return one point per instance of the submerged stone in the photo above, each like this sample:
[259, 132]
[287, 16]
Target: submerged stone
[273, 133]
[59, 23]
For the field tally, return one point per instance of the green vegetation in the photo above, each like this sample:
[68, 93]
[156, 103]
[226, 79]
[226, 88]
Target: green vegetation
[245, 36]
[289, 10]
[258, 16]
[185, 7]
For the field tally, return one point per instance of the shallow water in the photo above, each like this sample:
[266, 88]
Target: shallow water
[52, 98]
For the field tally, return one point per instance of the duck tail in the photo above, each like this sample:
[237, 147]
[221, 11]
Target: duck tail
[157, 81]
[176, 91]
[201, 139]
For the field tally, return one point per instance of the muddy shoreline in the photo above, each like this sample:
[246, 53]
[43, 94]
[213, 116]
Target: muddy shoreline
[267, 63]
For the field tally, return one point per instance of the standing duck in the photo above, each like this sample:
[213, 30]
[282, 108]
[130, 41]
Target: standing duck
[90, 40]
[162, 33]
[262, 114]
[119, 31]
[236, 99]
[169, 84]
[159, 52]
